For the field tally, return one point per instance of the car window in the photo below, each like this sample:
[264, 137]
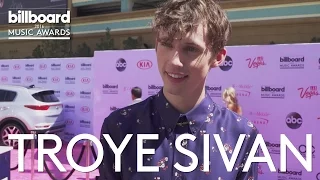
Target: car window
[7, 96]
[2, 95]
[45, 96]
[10, 96]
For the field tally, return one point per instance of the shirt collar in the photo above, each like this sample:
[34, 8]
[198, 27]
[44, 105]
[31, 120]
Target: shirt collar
[137, 99]
[196, 116]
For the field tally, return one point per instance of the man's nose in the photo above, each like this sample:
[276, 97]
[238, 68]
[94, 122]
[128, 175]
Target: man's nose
[176, 60]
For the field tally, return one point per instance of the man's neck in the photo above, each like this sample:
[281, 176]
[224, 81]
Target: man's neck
[184, 103]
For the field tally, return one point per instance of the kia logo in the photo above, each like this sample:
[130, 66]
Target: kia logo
[29, 79]
[4, 79]
[85, 109]
[70, 66]
[70, 93]
[69, 122]
[55, 79]
[16, 67]
[42, 66]
[144, 64]
[85, 80]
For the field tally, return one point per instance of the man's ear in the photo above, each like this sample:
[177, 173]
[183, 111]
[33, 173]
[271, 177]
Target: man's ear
[219, 59]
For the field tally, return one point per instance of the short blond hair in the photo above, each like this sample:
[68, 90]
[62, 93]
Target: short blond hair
[230, 97]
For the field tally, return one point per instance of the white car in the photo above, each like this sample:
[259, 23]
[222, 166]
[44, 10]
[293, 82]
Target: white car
[27, 109]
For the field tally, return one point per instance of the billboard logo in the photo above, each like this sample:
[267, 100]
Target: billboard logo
[277, 92]
[29, 79]
[16, 67]
[288, 172]
[68, 136]
[110, 88]
[42, 66]
[55, 67]
[70, 80]
[214, 91]
[57, 93]
[287, 62]
[294, 120]
[4, 79]
[85, 94]
[309, 92]
[29, 67]
[69, 93]
[227, 64]
[85, 109]
[256, 62]
[42, 80]
[55, 79]
[121, 64]
[69, 108]
[273, 148]
[154, 89]
[85, 80]
[39, 31]
[144, 64]
[16, 79]
[85, 66]
[70, 66]
[4, 67]
[85, 124]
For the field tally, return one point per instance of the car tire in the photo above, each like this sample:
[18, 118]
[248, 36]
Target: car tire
[10, 128]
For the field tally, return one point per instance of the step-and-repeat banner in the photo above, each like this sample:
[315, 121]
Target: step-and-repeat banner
[70, 78]
[278, 87]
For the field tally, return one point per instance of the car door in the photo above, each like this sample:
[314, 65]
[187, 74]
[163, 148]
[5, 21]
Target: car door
[6, 98]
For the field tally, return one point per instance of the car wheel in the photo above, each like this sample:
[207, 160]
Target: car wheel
[7, 129]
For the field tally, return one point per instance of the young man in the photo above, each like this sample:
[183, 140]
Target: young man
[136, 94]
[191, 36]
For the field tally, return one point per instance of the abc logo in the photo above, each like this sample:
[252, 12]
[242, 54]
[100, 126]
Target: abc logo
[121, 65]
[227, 64]
[294, 120]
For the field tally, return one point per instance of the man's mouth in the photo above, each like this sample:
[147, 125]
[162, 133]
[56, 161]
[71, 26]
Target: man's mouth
[176, 75]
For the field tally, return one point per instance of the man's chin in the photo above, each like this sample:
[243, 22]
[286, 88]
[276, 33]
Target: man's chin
[176, 91]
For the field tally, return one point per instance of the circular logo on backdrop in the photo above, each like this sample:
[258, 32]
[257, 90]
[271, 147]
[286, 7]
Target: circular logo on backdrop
[121, 64]
[294, 120]
[318, 176]
[227, 64]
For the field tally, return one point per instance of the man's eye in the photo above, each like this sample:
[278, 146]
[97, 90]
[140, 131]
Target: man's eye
[191, 49]
[166, 44]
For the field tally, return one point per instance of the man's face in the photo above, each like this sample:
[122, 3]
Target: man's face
[185, 62]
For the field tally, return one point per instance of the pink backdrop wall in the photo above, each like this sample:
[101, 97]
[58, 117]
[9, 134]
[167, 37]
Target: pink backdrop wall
[269, 89]
[71, 78]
